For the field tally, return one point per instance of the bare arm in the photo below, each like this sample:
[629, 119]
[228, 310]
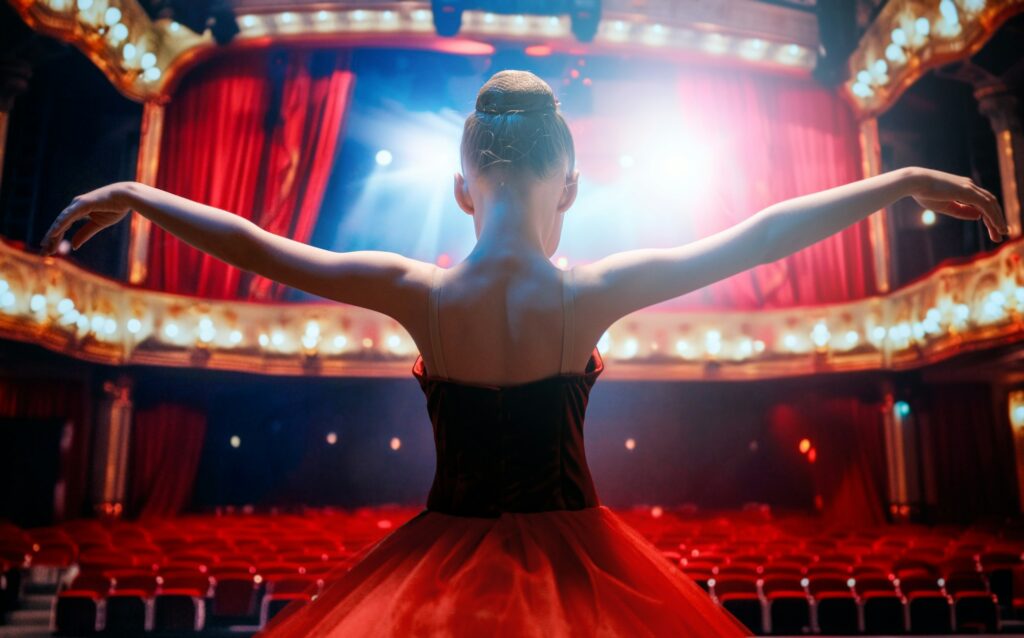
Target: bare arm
[628, 281]
[371, 279]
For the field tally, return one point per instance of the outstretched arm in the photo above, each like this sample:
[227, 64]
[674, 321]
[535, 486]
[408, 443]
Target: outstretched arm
[627, 281]
[371, 279]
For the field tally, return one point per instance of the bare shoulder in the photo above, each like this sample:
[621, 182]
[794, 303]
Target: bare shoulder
[593, 312]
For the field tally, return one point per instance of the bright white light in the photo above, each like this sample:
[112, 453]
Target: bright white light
[110, 326]
[37, 303]
[852, 338]
[604, 343]
[84, 5]
[263, 340]
[626, 161]
[789, 342]
[235, 441]
[118, 32]
[878, 333]
[713, 342]
[248, 21]
[235, 337]
[322, 15]
[207, 332]
[358, 15]
[7, 299]
[974, 5]
[927, 217]
[171, 330]
[1018, 414]
[112, 16]
[287, 17]
[922, 26]
[395, 443]
[861, 90]
[175, 27]
[630, 348]
[340, 341]
[129, 52]
[864, 77]
[152, 74]
[820, 335]
[134, 325]
[948, 10]
[277, 338]
[394, 341]
[148, 60]
[899, 37]
[880, 68]
[895, 54]
[332, 438]
[384, 157]
[65, 305]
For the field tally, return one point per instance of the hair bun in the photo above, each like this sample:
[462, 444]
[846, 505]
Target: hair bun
[515, 92]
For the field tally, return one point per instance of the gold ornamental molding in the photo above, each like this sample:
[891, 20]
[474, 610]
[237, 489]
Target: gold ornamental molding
[143, 59]
[51, 302]
[908, 38]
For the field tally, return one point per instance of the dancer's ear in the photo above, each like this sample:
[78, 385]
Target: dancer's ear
[462, 196]
[569, 192]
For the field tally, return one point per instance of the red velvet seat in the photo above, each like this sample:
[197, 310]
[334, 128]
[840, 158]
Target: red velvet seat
[180, 601]
[930, 608]
[883, 607]
[81, 608]
[976, 609]
[789, 606]
[130, 601]
[741, 596]
[836, 606]
[283, 590]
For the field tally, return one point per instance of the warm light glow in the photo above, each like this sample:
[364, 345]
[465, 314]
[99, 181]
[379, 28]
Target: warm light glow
[927, 217]
[805, 445]
[235, 441]
[812, 455]
[395, 443]
[630, 444]
[332, 438]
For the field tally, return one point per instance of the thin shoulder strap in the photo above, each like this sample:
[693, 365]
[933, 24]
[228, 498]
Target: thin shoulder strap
[432, 320]
[568, 297]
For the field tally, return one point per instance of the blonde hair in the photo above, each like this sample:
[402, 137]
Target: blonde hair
[517, 128]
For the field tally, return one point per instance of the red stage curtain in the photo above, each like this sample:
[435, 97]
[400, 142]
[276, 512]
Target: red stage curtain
[253, 133]
[965, 430]
[848, 473]
[167, 442]
[57, 399]
[775, 138]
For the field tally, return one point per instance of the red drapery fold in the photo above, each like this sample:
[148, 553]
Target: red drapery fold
[255, 134]
[52, 399]
[847, 441]
[167, 442]
[776, 138]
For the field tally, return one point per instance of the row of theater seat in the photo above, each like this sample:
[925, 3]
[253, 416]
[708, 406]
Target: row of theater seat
[783, 576]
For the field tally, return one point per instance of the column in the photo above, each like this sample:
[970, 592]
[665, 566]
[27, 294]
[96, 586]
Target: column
[997, 103]
[878, 223]
[145, 172]
[110, 455]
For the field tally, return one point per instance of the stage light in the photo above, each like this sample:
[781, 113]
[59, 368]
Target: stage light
[322, 15]
[7, 299]
[974, 5]
[84, 5]
[287, 17]
[235, 337]
[949, 13]
[789, 342]
[97, 323]
[277, 338]
[895, 54]
[805, 445]
[367, 342]
[384, 157]
[758, 345]
[864, 77]
[604, 343]
[332, 438]
[1018, 415]
[630, 348]
[148, 60]
[65, 305]
[713, 342]
[249, 21]
[110, 326]
[175, 27]
[358, 15]
[112, 16]
[899, 37]
[878, 333]
[235, 441]
[129, 52]
[151, 74]
[263, 340]
[922, 27]
[902, 408]
[561, 262]
[171, 330]
[37, 303]
[852, 338]
[394, 341]
[820, 335]
[340, 341]
[630, 444]
[395, 443]
[961, 313]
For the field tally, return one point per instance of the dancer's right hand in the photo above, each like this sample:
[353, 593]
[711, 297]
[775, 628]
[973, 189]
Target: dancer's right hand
[958, 197]
[102, 207]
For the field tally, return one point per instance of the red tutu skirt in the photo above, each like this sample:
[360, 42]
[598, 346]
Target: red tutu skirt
[554, 573]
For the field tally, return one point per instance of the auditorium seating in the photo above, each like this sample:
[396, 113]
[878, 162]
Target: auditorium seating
[783, 575]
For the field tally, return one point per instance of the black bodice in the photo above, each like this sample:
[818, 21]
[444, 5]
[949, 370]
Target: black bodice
[516, 448]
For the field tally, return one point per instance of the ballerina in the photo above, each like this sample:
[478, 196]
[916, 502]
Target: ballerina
[513, 540]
